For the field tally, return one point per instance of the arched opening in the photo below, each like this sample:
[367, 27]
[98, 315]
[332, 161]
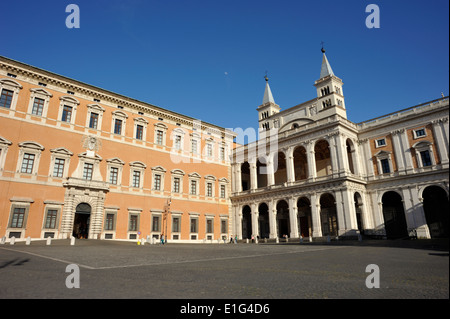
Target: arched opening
[82, 221]
[436, 206]
[246, 222]
[261, 172]
[283, 219]
[394, 216]
[279, 165]
[328, 215]
[323, 158]
[359, 211]
[304, 217]
[300, 163]
[245, 176]
[264, 226]
[350, 155]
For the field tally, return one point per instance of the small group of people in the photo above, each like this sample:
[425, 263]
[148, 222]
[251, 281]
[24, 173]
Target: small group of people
[233, 239]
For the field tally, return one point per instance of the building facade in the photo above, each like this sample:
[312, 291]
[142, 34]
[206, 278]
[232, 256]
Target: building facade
[77, 160]
[313, 173]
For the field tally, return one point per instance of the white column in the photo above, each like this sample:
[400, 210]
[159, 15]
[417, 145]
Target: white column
[398, 151]
[270, 171]
[333, 154]
[315, 216]
[238, 176]
[293, 220]
[253, 176]
[312, 174]
[255, 220]
[290, 167]
[342, 153]
[440, 130]
[414, 213]
[406, 150]
[273, 219]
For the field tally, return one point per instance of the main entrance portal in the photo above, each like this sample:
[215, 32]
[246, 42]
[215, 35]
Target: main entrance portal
[82, 221]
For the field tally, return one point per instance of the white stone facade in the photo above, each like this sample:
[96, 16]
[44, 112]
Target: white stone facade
[314, 173]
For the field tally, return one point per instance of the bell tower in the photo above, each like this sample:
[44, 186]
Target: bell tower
[267, 108]
[329, 89]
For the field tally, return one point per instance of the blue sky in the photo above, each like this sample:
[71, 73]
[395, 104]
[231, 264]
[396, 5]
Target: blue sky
[207, 59]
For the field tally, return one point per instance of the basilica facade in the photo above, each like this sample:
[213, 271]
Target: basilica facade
[77, 160]
[314, 173]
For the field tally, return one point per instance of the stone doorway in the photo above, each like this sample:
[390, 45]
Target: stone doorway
[82, 221]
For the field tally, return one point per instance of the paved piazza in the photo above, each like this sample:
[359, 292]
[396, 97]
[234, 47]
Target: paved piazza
[411, 269]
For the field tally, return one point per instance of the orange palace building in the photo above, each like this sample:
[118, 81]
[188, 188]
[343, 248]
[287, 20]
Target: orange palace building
[78, 160]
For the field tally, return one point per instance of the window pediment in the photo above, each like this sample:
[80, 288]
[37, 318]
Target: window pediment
[178, 172]
[62, 151]
[41, 91]
[32, 145]
[138, 164]
[159, 169]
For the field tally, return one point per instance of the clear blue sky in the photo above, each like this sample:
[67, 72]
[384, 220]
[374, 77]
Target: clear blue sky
[207, 59]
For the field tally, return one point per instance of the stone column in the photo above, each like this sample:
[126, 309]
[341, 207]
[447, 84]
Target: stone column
[255, 220]
[253, 176]
[312, 174]
[273, 219]
[293, 218]
[68, 215]
[440, 131]
[290, 165]
[315, 216]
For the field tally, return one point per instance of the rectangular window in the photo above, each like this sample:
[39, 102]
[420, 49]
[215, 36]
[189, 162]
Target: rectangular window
[193, 187]
[109, 222]
[176, 224]
[27, 163]
[6, 98]
[38, 106]
[381, 142]
[133, 223]
[420, 133]
[139, 132]
[136, 179]
[426, 158]
[67, 114]
[157, 182]
[223, 226]
[113, 175]
[18, 217]
[222, 153]
[222, 191]
[385, 166]
[159, 137]
[87, 171]
[209, 226]
[194, 147]
[93, 121]
[194, 225]
[156, 224]
[58, 169]
[50, 221]
[209, 150]
[178, 142]
[118, 127]
[176, 185]
[209, 190]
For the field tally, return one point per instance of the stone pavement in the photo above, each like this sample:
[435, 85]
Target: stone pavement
[113, 269]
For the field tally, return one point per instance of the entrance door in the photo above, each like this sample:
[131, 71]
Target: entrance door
[82, 221]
